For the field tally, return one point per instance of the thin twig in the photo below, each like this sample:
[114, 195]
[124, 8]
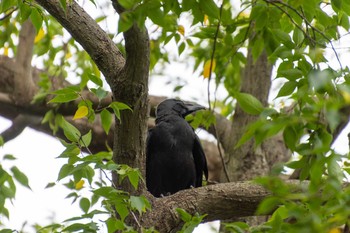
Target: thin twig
[209, 79]
[221, 155]
[274, 2]
[213, 53]
[293, 22]
[8, 14]
[136, 220]
[103, 171]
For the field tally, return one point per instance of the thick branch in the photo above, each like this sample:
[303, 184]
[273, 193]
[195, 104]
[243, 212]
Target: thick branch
[24, 87]
[18, 125]
[220, 202]
[131, 87]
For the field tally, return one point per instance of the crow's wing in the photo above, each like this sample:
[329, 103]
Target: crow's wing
[151, 179]
[200, 161]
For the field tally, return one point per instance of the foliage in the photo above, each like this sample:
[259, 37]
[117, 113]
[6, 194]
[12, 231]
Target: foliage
[297, 36]
[8, 176]
[191, 222]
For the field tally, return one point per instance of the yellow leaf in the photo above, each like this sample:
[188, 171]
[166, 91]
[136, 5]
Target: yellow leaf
[151, 44]
[334, 230]
[39, 36]
[206, 20]
[181, 30]
[243, 15]
[207, 65]
[68, 55]
[6, 51]
[346, 96]
[79, 185]
[81, 112]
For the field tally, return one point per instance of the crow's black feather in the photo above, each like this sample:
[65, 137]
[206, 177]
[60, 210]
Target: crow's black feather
[175, 159]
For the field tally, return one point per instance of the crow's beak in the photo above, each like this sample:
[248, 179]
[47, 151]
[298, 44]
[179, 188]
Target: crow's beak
[192, 107]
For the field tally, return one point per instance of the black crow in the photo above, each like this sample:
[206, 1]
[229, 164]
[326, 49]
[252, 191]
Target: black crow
[175, 159]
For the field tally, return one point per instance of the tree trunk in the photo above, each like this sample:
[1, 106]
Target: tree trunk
[131, 88]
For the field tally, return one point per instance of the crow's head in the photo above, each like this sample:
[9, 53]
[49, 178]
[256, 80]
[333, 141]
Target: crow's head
[177, 107]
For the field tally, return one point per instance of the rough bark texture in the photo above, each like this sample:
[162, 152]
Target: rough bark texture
[24, 87]
[132, 88]
[224, 201]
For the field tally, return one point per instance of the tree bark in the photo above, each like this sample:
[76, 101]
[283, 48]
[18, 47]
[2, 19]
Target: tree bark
[247, 162]
[225, 201]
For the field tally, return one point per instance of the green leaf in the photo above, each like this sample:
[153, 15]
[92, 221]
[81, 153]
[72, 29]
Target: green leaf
[9, 157]
[249, 103]
[6, 4]
[125, 21]
[156, 15]
[238, 227]
[7, 230]
[20, 177]
[64, 98]
[209, 8]
[106, 120]
[139, 203]
[50, 185]
[99, 92]
[8, 192]
[250, 132]
[122, 209]
[117, 107]
[69, 130]
[127, 4]
[186, 217]
[280, 213]
[77, 227]
[36, 19]
[84, 204]
[259, 15]
[98, 157]
[133, 176]
[337, 5]
[1, 141]
[50, 227]
[290, 137]
[287, 89]
[268, 205]
[6, 213]
[96, 80]
[283, 37]
[181, 48]
[63, 4]
[290, 74]
[70, 151]
[334, 169]
[86, 139]
[257, 48]
[298, 36]
[25, 11]
[65, 170]
[67, 90]
[345, 22]
[114, 225]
